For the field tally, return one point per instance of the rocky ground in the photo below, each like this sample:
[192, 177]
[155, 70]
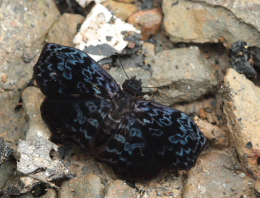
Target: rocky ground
[185, 46]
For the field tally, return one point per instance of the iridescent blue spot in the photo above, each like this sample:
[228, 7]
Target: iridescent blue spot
[88, 137]
[135, 132]
[166, 120]
[155, 132]
[137, 145]
[114, 151]
[185, 124]
[67, 75]
[82, 87]
[127, 147]
[93, 122]
[120, 138]
[87, 75]
[91, 106]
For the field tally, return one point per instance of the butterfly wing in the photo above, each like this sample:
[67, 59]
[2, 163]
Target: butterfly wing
[128, 152]
[78, 104]
[174, 138]
[75, 119]
[65, 72]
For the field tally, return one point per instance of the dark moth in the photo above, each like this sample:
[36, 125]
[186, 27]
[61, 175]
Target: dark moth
[84, 104]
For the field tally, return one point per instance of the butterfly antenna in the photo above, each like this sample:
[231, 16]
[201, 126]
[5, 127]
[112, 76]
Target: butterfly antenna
[164, 86]
[122, 66]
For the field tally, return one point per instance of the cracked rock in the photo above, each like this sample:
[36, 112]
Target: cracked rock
[241, 103]
[36, 162]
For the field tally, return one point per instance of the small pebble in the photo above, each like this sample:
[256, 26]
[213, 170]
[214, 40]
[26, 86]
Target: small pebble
[242, 175]
[4, 77]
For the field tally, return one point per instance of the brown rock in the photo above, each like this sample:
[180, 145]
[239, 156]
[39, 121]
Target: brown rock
[212, 108]
[241, 104]
[212, 21]
[149, 22]
[119, 188]
[64, 30]
[213, 133]
[121, 10]
[257, 186]
[87, 186]
[127, 1]
[4, 78]
[32, 100]
[167, 184]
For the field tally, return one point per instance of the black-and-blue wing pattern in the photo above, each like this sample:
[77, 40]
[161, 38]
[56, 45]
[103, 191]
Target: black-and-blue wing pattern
[173, 137]
[68, 72]
[128, 152]
[75, 119]
[137, 138]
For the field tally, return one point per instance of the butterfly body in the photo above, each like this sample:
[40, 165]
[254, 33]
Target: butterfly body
[84, 104]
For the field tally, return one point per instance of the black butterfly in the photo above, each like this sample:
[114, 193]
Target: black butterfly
[137, 138]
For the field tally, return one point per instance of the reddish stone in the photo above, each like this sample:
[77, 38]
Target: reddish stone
[148, 22]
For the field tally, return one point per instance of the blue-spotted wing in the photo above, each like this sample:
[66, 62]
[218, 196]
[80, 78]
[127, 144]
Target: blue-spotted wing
[84, 104]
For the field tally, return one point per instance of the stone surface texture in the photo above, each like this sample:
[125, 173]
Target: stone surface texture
[241, 103]
[188, 78]
[212, 21]
[120, 9]
[213, 177]
[149, 21]
[23, 25]
[214, 134]
[88, 186]
[32, 100]
[64, 30]
[118, 188]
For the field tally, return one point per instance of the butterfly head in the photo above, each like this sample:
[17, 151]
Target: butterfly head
[133, 86]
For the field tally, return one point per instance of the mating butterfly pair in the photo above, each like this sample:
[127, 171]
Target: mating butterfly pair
[137, 138]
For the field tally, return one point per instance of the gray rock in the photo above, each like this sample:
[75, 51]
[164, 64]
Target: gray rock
[213, 176]
[22, 24]
[35, 160]
[87, 186]
[26, 196]
[241, 103]
[5, 151]
[204, 21]
[6, 166]
[246, 10]
[6, 172]
[120, 77]
[188, 75]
